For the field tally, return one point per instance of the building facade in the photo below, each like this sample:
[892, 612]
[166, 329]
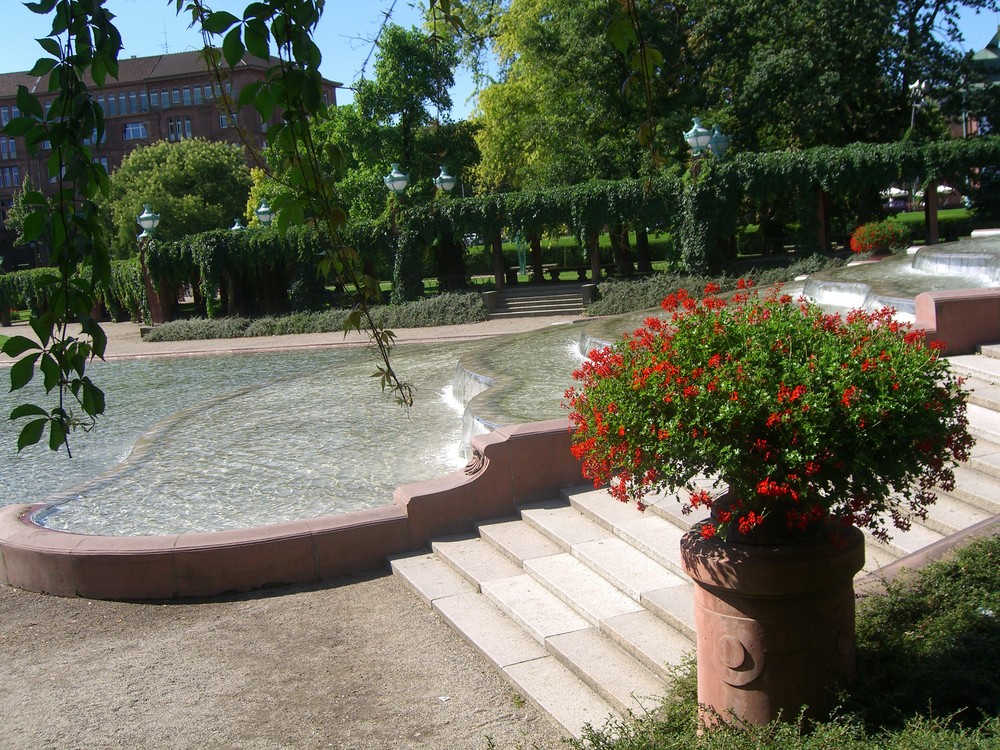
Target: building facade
[163, 97]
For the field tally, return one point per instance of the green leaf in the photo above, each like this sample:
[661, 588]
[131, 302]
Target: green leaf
[57, 435]
[28, 103]
[43, 66]
[51, 46]
[15, 346]
[31, 433]
[232, 48]
[256, 37]
[27, 410]
[218, 21]
[51, 371]
[34, 225]
[93, 398]
[22, 371]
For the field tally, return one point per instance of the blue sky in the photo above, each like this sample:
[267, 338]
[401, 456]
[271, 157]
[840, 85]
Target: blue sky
[345, 32]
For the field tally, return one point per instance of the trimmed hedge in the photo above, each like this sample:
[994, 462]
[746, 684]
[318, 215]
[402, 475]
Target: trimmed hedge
[445, 309]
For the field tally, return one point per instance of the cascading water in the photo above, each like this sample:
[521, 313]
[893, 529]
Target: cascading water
[896, 281]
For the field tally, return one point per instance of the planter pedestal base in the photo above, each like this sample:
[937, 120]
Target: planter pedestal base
[775, 624]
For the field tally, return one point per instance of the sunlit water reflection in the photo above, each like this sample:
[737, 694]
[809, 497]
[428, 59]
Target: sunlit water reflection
[220, 442]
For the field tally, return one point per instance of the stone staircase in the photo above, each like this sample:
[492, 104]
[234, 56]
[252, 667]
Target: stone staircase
[536, 300]
[581, 602]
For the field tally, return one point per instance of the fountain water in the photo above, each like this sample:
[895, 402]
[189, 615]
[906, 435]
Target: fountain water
[214, 443]
[971, 263]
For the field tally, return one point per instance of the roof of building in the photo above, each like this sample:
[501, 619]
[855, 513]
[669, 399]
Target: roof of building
[989, 56]
[138, 69]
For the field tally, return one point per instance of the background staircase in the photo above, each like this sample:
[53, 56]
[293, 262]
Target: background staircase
[581, 602]
[536, 300]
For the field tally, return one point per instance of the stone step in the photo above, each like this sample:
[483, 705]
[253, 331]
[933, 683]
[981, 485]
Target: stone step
[977, 489]
[985, 458]
[983, 393]
[949, 515]
[621, 680]
[984, 423]
[990, 350]
[983, 368]
[582, 603]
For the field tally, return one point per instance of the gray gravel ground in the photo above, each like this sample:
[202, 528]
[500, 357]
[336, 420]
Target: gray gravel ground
[362, 664]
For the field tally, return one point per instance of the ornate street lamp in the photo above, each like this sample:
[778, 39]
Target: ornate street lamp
[237, 227]
[719, 143]
[396, 181]
[445, 181]
[698, 137]
[264, 213]
[148, 220]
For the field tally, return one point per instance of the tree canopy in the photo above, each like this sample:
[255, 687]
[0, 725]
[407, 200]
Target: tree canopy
[194, 184]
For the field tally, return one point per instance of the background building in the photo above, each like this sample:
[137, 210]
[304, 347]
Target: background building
[169, 97]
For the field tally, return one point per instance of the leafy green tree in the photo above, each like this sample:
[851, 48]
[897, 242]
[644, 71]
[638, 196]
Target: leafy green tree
[195, 185]
[82, 50]
[19, 211]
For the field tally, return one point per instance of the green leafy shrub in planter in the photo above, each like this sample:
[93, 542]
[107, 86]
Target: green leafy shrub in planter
[880, 237]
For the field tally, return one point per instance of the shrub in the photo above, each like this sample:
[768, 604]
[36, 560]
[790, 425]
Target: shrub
[880, 237]
[445, 309]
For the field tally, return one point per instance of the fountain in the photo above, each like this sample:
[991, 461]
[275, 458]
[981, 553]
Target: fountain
[203, 438]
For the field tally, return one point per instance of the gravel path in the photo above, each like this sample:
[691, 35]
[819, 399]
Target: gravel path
[361, 663]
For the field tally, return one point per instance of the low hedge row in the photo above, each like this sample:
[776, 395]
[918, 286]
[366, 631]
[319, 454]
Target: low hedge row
[445, 309]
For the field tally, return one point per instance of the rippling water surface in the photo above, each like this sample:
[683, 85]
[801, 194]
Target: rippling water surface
[232, 441]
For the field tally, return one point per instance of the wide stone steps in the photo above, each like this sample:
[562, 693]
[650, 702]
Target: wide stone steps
[581, 601]
[539, 300]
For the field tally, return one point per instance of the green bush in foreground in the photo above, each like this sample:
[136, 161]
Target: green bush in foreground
[445, 309]
[927, 667]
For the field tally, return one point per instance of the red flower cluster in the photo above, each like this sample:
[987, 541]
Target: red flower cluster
[799, 413]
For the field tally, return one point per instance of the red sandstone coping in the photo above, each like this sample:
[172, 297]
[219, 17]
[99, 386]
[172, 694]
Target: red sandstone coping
[514, 465]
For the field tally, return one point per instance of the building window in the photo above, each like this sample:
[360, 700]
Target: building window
[208, 92]
[186, 91]
[4, 115]
[218, 90]
[175, 96]
[135, 130]
[165, 98]
[122, 104]
[229, 88]
[112, 108]
[143, 101]
[103, 161]
[197, 94]
[154, 98]
[8, 148]
[133, 102]
[187, 127]
[227, 121]
[171, 132]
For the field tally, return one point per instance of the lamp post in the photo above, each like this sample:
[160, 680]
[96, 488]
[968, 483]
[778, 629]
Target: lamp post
[918, 92]
[698, 137]
[445, 181]
[237, 227]
[718, 144]
[396, 181]
[264, 213]
[148, 220]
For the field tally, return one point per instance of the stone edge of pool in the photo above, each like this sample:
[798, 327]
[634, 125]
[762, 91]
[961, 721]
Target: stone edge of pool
[514, 465]
[511, 466]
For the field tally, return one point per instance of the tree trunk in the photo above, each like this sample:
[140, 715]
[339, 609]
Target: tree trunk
[642, 250]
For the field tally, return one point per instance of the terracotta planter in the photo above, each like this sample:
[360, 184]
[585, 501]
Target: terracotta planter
[775, 624]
